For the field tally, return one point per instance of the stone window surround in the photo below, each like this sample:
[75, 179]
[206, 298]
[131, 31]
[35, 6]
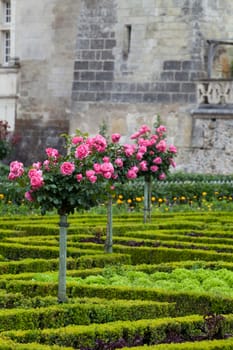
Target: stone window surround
[7, 31]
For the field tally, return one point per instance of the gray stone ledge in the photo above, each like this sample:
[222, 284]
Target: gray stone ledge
[217, 112]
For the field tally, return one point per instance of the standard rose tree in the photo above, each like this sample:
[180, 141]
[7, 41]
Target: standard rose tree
[65, 183]
[154, 156]
[80, 179]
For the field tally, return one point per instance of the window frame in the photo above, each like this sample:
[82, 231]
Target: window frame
[7, 12]
[6, 46]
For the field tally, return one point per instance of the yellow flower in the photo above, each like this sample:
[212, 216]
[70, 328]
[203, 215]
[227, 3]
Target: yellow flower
[182, 198]
[120, 196]
[138, 199]
[152, 199]
[1, 195]
[204, 193]
[119, 201]
[129, 201]
[160, 200]
[216, 192]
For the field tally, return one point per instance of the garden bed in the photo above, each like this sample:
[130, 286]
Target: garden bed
[115, 316]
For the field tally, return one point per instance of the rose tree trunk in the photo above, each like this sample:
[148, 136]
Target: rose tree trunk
[62, 259]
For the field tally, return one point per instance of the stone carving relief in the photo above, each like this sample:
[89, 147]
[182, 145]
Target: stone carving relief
[213, 92]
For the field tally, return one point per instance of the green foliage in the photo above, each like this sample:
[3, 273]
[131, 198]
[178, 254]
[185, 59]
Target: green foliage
[218, 282]
[152, 331]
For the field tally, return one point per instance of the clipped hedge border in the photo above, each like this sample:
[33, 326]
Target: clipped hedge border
[83, 262]
[16, 251]
[153, 331]
[148, 255]
[6, 344]
[170, 244]
[186, 302]
[81, 313]
[222, 344]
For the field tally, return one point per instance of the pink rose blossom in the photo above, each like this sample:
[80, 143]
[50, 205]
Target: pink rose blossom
[152, 141]
[116, 138]
[135, 136]
[119, 162]
[142, 149]
[77, 139]
[143, 165]
[161, 129]
[161, 146]
[157, 160]
[129, 150]
[34, 172]
[106, 159]
[16, 170]
[154, 138]
[97, 168]
[143, 142]
[107, 175]
[131, 174]
[162, 176]
[144, 129]
[107, 167]
[52, 152]
[172, 149]
[28, 196]
[46, 164]
[36, 178]
[139, 156]
[37, 165]
[98, 142]
[90, 173]
[92, 178]
[82, 151]
[67, 168]
[79, 177]
[154, 168]
[135, 169]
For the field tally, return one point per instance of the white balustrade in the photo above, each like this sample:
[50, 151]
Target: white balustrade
[215, 92]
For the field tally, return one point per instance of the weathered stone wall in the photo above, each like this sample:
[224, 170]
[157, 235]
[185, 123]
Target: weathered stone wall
[45, 44]
[167, 53]
[85, 62]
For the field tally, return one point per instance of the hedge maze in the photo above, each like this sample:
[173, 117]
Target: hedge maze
[109, 317]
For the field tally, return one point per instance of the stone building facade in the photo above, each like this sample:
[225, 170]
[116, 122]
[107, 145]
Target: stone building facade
[77, 64]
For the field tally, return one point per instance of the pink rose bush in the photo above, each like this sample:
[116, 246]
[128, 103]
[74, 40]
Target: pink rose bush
[91, 167]
[65, 181]
[155, 156]
[78, 179]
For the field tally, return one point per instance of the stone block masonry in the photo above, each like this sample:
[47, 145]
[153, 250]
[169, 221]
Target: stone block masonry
[123, 62]
[107, 46]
